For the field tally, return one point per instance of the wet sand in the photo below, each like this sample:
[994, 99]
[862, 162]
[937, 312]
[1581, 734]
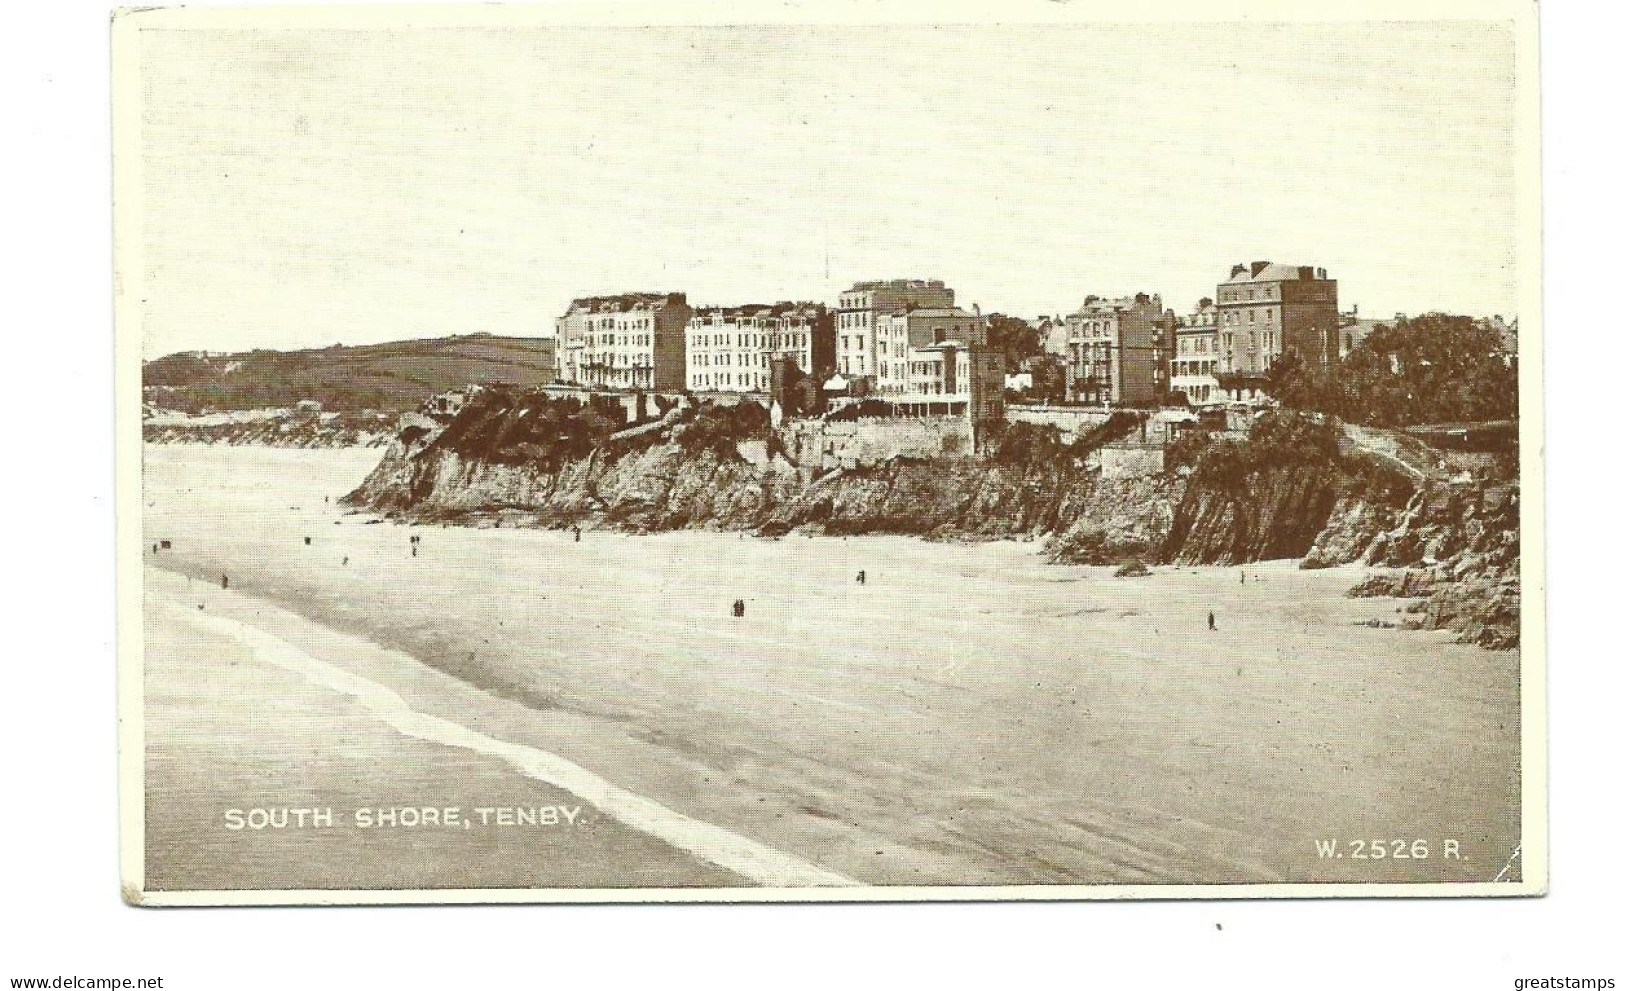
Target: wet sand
[970, 715]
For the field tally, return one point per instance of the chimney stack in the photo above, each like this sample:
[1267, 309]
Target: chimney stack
[1236, 270]
[1259, 267]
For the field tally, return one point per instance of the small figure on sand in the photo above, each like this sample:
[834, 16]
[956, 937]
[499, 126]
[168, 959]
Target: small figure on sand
[414, 550]
[863, 578]
[155, 548]
[739, 608]
[307, 541]
[1244, 576]
[225, 582]
[1210, 623]
[577, 531]
[346, 560]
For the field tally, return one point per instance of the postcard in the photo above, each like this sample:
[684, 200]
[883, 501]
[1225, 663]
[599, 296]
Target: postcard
[829, 452]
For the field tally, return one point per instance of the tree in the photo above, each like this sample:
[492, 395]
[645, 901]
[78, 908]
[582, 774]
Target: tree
[1014, 337]
[1049, 378]
[1429, 369]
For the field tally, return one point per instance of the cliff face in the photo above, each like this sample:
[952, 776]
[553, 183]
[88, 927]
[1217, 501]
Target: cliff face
[662, 486]
[1287, 491]
[1458, 549]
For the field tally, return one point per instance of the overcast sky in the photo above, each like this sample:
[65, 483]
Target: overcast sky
[308, 187]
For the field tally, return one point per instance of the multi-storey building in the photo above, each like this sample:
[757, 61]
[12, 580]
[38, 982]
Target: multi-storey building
[628, 341]
[857, 353]
[1267, 309]
[898, 334]
[1052, 334]
[1196, 355]
[1352, 331]
[1117, 350]
[957, 371]
[732, 348]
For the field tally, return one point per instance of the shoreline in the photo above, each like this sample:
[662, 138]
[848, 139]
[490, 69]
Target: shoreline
[272, 639]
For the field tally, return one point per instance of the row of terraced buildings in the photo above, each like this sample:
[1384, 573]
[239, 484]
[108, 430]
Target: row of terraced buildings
[900, 340]
[906, 341]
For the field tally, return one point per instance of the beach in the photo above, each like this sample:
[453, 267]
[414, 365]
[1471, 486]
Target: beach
[969, 714]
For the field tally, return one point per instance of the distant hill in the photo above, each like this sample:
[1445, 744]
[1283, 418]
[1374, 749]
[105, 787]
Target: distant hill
[389, 377]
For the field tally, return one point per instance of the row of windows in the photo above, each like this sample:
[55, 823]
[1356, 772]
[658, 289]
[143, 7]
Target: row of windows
[1234, 317]
[759, 323]
[726, 359]
[747, 340]
[612, 323]
[727, 380]
[618, 358]
[1096, 327]
[1234, 295]
[626, 340]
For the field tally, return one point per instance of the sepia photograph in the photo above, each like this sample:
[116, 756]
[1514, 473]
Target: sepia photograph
[804, 453]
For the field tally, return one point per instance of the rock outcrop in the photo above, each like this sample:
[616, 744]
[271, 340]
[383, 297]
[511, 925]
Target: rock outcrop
[273, 428]
[1456, 550]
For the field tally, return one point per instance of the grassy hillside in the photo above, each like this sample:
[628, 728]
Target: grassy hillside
[389, 377]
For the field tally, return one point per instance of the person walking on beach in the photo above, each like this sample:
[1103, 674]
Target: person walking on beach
[1210, 623]
[224, 581]
[578, 534]
[863, 578]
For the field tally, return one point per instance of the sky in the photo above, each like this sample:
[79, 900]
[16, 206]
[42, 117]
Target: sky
[306, 187]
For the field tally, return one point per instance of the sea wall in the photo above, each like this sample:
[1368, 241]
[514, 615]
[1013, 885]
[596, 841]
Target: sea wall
[1073, 422]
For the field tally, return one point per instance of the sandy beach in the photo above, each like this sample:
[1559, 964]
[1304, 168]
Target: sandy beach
[969, 715]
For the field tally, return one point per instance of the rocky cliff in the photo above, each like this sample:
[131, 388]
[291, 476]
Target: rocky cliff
[1456, 551]
[691, 476]
[1287, 491]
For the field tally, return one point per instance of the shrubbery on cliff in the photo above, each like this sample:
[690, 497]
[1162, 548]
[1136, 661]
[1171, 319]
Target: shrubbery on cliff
[1278, 441]
[720, 429]
[506, 427]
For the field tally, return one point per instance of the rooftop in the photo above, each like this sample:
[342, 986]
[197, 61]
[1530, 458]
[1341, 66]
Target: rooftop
[1267, 271]
[949, 312]
[898, 284]
[626, 301]
[1099, 304]
[782, 308]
